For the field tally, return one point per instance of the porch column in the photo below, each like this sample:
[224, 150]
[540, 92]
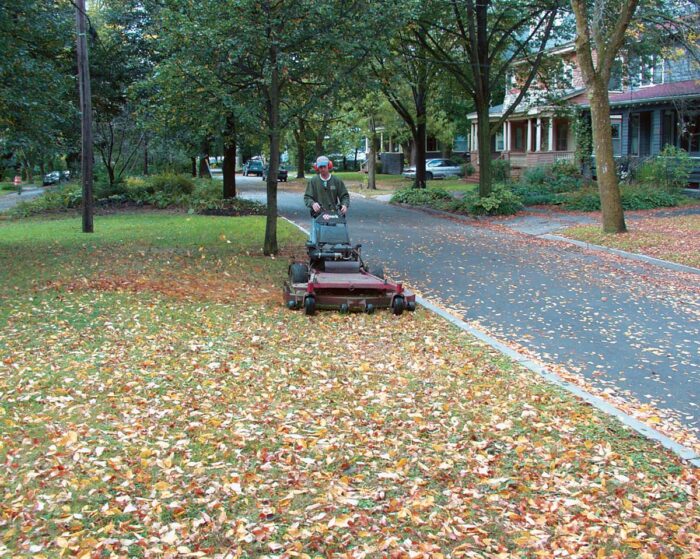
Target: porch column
[529, 136]
[381, 142]
[472, 138]
[538, 135]
[505, 137]
[550, 139]
[510, 134]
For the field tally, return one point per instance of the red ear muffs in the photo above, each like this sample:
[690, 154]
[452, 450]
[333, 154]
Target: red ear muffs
[330, 166]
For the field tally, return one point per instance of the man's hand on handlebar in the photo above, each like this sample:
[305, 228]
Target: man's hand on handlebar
[343, 209]
[316, 207]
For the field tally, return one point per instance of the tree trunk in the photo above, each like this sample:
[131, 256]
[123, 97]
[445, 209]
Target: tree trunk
[419, 142]
[610, 199]
[145, 155]
[85, 117]
[229, 169]
[193, 160]
[28, 174]
[483, 128]
[204, 171]
[273, 108]
[110, 175]
[372, 156]
[301, 148]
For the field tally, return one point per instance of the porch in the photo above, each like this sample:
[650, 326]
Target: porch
[529, 142]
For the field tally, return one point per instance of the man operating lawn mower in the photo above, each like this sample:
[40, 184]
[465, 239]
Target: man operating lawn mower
[324, 192]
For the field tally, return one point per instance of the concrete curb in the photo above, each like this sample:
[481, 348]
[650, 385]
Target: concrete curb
[685, 453]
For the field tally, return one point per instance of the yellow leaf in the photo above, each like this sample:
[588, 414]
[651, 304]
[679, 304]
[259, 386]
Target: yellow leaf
[70, 438]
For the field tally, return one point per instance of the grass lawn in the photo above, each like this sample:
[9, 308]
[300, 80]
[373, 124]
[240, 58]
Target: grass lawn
[158, 400]
[669, 238]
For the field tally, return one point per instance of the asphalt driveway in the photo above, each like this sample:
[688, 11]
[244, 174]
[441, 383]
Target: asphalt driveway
[628, 327]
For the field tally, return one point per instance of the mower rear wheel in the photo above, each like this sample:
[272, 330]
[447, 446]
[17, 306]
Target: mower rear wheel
[398, 305]
[310, 306]
[299, 273]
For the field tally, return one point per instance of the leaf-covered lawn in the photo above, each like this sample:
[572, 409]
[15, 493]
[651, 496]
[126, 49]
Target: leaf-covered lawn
[157, 400]
[669, 238]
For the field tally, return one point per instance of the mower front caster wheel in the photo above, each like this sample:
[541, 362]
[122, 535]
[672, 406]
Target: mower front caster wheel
[398, 305]
[310, 306]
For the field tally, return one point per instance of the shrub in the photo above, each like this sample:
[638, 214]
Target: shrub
[645, 198]
[171, 184]
[633, 198]
[502, 201]
[468, 169]
[565, 168]
[421, 196]
[585, 200]
[670, 170]
[500, 170]
[543, 184]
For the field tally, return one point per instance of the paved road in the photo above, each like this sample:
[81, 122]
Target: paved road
[627, 326]
[8, 201]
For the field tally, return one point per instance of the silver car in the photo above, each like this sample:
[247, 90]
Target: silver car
[436, 169]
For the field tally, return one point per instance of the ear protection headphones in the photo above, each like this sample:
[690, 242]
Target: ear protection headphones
[330, 166]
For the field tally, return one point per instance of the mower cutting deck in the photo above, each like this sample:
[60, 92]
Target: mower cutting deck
[336, 277]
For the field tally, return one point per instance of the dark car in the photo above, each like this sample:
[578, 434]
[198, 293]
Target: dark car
[281, 174]
[51, 178]
[253, 167]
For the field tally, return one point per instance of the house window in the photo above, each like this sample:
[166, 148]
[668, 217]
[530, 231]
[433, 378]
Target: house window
[499, 141]
[562, 135]
[461, 144]
[651, 71]
[617, 138]
[615, 83]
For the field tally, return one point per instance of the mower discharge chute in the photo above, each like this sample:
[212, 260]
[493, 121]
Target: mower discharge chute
[336, 277]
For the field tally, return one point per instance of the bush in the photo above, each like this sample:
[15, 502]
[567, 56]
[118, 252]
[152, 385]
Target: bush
[500, 170]
[645, 198]
[421, 196]
[633, 198]
[468, 169]
[172, 185]
[566, 169]
[670, 170]
[585, 200]
[502, 201]
[543, 184]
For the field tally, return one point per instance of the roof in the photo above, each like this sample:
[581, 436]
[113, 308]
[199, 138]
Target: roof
[689, 89]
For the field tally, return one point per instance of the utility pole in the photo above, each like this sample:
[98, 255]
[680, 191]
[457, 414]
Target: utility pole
[85, 116]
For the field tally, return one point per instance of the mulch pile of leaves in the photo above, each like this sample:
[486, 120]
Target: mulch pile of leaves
[168, 407]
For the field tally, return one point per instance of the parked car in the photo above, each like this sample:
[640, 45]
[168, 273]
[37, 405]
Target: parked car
[281, 174]
[253, 167]
[51, 178]
[436, 169]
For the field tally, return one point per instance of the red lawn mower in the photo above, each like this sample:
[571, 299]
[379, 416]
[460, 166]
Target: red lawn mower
[335, 276]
